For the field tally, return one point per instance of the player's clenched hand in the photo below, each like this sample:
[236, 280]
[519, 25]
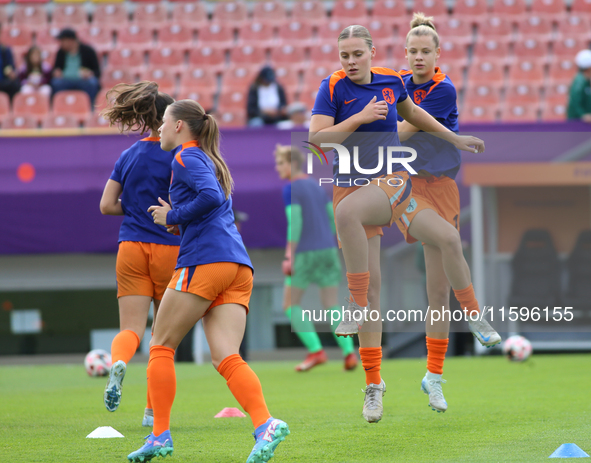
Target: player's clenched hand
[469, 143]
[159, 212]
[374, 111]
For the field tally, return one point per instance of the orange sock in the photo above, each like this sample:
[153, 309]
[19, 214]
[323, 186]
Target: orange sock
[358, 287]
[245, 386]
[371, 359]
[148, 401]
[436, 349]
[467, 300]
[124, 346]
[161, 386]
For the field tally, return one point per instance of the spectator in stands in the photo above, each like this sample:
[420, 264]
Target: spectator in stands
[35, 74]
[266, 100]
[8, 79]
[299, 117]
[579, 104]
[76, 66]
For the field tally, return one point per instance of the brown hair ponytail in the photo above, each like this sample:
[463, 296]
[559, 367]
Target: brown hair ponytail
[423, 25]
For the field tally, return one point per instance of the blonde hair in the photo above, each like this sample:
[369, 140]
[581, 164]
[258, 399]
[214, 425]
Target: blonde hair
[204, 128]
[423, 25]
[290, 153]
[356, 31]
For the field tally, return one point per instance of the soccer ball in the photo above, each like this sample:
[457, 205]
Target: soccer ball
[97, 362]
[517, 348]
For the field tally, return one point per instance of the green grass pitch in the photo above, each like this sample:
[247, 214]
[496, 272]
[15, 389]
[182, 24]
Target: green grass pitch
[498, 412]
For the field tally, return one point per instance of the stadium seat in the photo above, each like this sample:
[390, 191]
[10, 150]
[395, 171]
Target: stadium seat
[128, 58]
[239, 77]
[48, 56]
[556, 93]
[113, 76]
[536, 271]
[35, 105]
[72, 102]
[232, 13]
[452, 50]
[96, 121]
[535, 27]
[520, 113]
[269, 12]
[230, 100]
[285, 55]
[3, 14]
[383, 33]
[150, 15]
[562, 71]
[172, 59]
[325, 53]
[288, 77]
[531, 49]
[522, 94]
[232, 118]
[454, 69]
[69, 16]
[247, 54]
[100, 102]
[100, 38]
[314, 75]
[478, 113]
[200, 78]
[112, 16]
[308, 97]
[163, 76]
[581, 8]
[393, 13]
[487, 72]
[567, 48]
[434, 8]
[61, 121]
[496, 28]
[211, 58]
[16, 36]
[553, 112]
[311, 12]
[471, 11]
[526, 72]
[4, 105]
[554, 10]
[513, 10]
[20, 122]
[492, 49]
[218, 35]
[192, 15]
[292, 94]
[300, 33]
[205, 99]
[578, 270]
[452, 28]
[33, 16]
[257, 34]
[349, 10]
[45, 38]
[482, 95]
[574, 26]
[134, 36]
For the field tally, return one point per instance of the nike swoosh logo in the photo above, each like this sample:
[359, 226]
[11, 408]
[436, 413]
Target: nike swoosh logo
[484, 338]
[347, 102]
[367, 369]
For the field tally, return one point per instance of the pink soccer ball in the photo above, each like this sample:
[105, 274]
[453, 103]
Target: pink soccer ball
[97, 362]
[517, 348]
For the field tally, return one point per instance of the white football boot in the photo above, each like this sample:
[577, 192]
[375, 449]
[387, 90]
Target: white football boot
[431, 385]
[373, 410]
[481, 329]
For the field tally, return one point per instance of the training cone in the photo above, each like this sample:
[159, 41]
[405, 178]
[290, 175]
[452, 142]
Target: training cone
[230, 413]
[568, 451]
[104, 432]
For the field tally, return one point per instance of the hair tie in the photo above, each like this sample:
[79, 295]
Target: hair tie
[205, 116]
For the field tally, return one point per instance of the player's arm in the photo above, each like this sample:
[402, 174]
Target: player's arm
[421, 119]
[406, 130]
[110, 203]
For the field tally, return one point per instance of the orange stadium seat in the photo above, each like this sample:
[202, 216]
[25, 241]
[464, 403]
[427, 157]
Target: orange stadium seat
[4, 105]
[392, 12]
[134, 36]
[247, 54]
[3, 14]
[112, 16]
[520, 113]
[522, 94]
[45, 38]
[72, 102]
[219, 35]
[35, 105]
[453, 69]
[291, 55]
[496, 28]
[205, 99]
[308, 97]
[553, 112]
[471, 11]
[101, 38]
[535, 27]
[324, 53]
[562, 71]
[291, 95]
[269, 12]
[567, 48]
[192, 15]
[574, 26]
[60, 121]
[434, 8]
[166, 57]
[209, 57]
[113, 76]
[288, 77]
[16, 36]
[311, 12]
[349, 10]
[95, 120]
[330, 32]
[163, 76]
[452, 50]
[127, 58]
[232, 118]
[556, 93]
[581, 8]
[150, 15]
[452, 28]
[382, 33]
[478, 113]
[298, 33]
[20, 122]
[30, 16]
[554, 10]
[199, 79]
[230, 13]
[314, 75]
[513, 10]
[491, 49]
[527, 71]
[100, 102]
[482, 95]
[69, 16]
[257, 34]
[230, 100]
[239, 77]
[48, 56]
[487, 72]
[531, 49]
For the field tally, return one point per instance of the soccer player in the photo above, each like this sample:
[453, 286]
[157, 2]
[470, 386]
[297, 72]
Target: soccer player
[147, 253]
[212, 280]
[310, 231]
[434, 216]
[357, 107]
